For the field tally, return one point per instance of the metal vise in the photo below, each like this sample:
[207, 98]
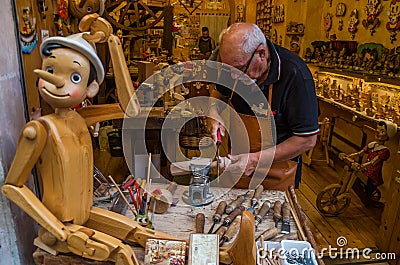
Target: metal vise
[199, 188]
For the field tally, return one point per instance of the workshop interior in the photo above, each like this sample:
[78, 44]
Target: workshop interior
[123, 169]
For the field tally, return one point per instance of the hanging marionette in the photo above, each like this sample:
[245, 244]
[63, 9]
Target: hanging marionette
[372, 10]
[353, 22]
[393, 24]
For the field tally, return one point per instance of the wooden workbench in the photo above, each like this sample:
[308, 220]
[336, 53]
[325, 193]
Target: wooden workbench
[179, 221]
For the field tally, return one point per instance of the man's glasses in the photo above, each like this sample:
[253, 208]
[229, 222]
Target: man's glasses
[251, 59]
[239, 73]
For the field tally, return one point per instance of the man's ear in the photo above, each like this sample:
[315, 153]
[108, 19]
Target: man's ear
[92, 89]
[262, 52]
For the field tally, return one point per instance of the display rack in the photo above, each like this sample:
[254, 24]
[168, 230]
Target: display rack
[264, 17]
[364, 96]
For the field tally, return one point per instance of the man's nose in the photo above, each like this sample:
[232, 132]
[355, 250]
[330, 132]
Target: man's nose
[49, 77]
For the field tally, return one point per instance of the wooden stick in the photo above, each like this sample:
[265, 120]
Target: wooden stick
[148, 169]
[295, 217]
[123, 196]
[264, 252]
[303, 220]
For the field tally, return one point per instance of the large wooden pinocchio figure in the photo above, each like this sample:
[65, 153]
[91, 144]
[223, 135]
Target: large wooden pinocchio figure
[61, 146]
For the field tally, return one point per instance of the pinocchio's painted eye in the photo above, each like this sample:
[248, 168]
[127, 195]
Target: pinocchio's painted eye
[76, 78]
[50, 69]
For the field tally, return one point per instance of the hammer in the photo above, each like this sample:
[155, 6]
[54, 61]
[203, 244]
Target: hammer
[163, 198]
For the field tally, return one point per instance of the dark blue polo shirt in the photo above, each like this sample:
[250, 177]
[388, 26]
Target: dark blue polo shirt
[294, 101]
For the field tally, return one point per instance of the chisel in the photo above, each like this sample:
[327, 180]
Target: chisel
[235, 203]
[277, 212]
[233, 228]
[263, 211]
[200, 220]
[228, 220]
[256, 197]
[269, 234]
[218, 143]
[285, 218]
[218, 215]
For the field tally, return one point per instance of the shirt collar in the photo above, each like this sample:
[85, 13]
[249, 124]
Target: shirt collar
[275, 66]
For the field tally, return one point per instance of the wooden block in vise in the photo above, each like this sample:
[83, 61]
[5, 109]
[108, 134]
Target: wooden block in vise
[164, 201]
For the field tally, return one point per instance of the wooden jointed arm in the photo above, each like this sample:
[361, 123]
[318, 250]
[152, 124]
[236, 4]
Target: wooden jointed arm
[100, 31]
[30, 146]
[125, 90]
[373, 162]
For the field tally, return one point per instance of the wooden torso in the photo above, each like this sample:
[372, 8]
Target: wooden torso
[66, 168]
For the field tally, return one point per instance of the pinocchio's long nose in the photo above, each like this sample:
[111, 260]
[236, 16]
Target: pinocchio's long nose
[51, 78]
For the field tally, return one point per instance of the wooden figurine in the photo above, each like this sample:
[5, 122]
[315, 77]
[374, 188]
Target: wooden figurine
[353, 23]
[61, 146]
[372, 10]
[393, 24]
[376, 153]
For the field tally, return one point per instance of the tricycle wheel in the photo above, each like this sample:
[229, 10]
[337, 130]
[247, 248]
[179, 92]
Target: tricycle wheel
[330, 202]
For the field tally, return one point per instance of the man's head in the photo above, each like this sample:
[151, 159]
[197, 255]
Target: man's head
[244, 47]
[204, 32]
[71, 71]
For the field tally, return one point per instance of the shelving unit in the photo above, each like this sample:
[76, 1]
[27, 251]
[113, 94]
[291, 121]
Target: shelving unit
[264, 17]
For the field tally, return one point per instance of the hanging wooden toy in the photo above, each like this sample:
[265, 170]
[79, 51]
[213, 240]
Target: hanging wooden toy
[393, 24]
[28, 34]
[372, 10]
[353, 23]
[327, 23]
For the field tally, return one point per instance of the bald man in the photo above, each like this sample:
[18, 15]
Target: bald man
[287, 84]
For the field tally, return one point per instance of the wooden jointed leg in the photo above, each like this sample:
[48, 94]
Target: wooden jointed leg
[243, 250]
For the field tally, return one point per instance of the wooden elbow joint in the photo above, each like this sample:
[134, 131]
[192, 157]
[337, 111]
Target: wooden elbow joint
[99, 28]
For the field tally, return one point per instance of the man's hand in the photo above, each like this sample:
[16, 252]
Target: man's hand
[214, 122]
[243, 164]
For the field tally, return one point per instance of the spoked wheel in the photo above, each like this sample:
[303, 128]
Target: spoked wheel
[330, 202]
[132, 15]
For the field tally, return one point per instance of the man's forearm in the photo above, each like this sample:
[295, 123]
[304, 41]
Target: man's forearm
[292, 147]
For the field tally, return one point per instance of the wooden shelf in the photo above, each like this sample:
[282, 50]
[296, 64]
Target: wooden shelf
[295, 33]
[359, 74]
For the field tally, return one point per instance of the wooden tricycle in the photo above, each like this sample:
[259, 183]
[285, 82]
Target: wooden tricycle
[335, 198]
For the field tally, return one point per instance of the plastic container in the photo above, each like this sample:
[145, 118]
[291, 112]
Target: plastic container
[268, 245]
[297, 252]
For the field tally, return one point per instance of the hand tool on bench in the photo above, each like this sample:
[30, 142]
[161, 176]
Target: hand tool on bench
[256, 197]
[123, 196]
[269, 233]
[285, 218]
[277, 212]
[218, 215]
[200, 221]
[262, 212]
[228, 220]
[232, 229]
[235, 203]
[218, 143]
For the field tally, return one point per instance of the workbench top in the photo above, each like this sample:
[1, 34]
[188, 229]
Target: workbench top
[179, 220]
